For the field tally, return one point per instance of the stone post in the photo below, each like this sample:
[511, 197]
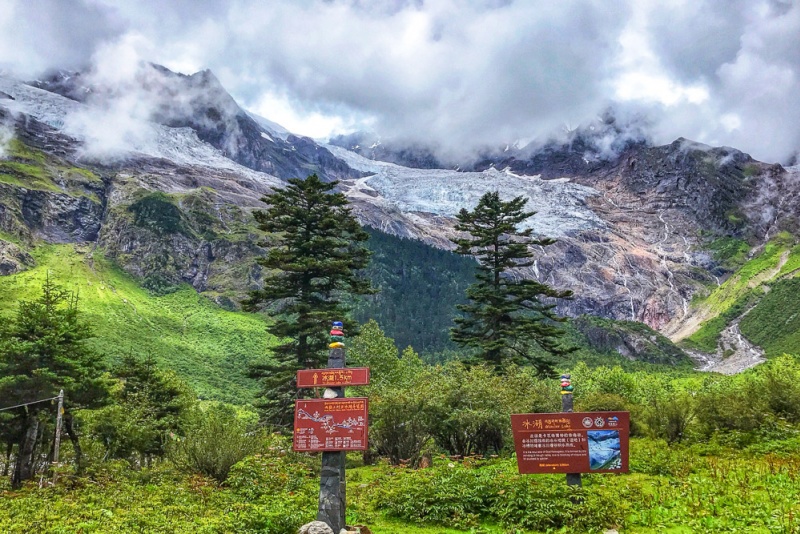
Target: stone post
[57, 441]
[573, 479]
[332, 492]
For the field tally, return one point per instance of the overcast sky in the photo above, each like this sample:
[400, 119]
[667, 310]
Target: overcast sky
[457, 74]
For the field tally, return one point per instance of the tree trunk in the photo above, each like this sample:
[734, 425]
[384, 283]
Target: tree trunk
[37, 448]
[69, 426]
[9, 450]
[23, 470]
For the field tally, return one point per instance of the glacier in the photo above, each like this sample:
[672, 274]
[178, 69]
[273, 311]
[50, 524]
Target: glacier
[560, 205]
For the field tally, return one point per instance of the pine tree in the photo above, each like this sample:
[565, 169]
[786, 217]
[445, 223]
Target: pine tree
[42, 350]
[150, 403]
[505, 319]
[315, 254]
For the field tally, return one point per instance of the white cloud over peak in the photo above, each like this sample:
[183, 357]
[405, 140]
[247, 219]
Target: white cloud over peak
[455, 74]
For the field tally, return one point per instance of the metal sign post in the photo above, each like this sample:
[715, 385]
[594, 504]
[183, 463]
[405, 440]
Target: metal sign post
[57, 441]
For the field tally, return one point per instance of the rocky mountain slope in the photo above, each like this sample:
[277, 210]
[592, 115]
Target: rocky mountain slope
[200, 103]
[638, 226]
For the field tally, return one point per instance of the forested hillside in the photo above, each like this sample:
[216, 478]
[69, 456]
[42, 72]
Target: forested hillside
[419, 288]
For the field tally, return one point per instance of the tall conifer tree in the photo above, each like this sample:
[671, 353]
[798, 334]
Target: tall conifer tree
[505, 318]
[315, 254]
[43, 349]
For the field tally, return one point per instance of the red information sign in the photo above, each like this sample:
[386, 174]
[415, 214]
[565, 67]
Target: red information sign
[330, 424]
[580, 442]
[324, 378]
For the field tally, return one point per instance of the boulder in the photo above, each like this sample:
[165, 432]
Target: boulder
[315, 527]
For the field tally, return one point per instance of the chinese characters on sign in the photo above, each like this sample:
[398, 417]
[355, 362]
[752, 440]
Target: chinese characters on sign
[589, 442]
[323, 378]
[330, 425]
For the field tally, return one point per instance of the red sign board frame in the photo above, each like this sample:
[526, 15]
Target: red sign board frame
[577, 442]
[339, 424]
[333, 377]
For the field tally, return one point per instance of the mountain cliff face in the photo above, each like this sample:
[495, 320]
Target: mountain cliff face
[638, 226]
[635, 234]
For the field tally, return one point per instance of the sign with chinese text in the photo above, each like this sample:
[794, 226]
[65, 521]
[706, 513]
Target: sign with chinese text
[579, 442]
[330, 424]
[324, 378]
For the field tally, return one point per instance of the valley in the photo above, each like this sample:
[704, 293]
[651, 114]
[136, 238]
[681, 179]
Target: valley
[683, 259]
[636, 234]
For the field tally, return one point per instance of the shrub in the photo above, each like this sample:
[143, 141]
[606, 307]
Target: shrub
[157, 212]
[215, 442]
[278, 470]
[668, 416]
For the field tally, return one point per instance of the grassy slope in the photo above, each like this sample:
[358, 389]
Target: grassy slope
[33, 169]
[745, 289]
[208, 346]
[774, 324]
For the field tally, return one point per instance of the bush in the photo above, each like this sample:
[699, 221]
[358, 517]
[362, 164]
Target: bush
[452, 495]
[400, 427]
[668, 416]
[278, 470]
[469, 410]
[215, 441]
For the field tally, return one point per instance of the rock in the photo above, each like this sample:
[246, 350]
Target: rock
[13, 259]
[61, 217]
[315, 527]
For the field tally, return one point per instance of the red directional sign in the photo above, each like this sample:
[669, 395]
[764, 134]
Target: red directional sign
[586, 442]
[330, 424]
[325, 378]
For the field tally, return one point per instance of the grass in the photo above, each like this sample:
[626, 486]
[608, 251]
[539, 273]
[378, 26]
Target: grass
[207, 346]
[4, 236]
[774, 324]
[33, 169]
[730, 251]
[18, 149]
[678, 489]
[13, 174]
[743, 289]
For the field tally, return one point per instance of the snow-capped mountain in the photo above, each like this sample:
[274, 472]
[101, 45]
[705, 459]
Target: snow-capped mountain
[199, 102]
[633, 221]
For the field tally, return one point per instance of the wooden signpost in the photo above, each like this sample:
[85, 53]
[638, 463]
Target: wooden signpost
[571, 442]
[325, 378]
[332, 425]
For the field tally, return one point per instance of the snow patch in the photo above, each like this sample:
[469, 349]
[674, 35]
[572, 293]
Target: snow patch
[272, 128]
[88, 125]
[6, 134]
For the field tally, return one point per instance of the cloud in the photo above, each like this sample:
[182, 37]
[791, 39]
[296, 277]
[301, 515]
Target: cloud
[39, 34]
[6, 134]
[117, 119]
[455, 74]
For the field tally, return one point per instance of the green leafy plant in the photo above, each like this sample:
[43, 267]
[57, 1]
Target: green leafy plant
[214, 442]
